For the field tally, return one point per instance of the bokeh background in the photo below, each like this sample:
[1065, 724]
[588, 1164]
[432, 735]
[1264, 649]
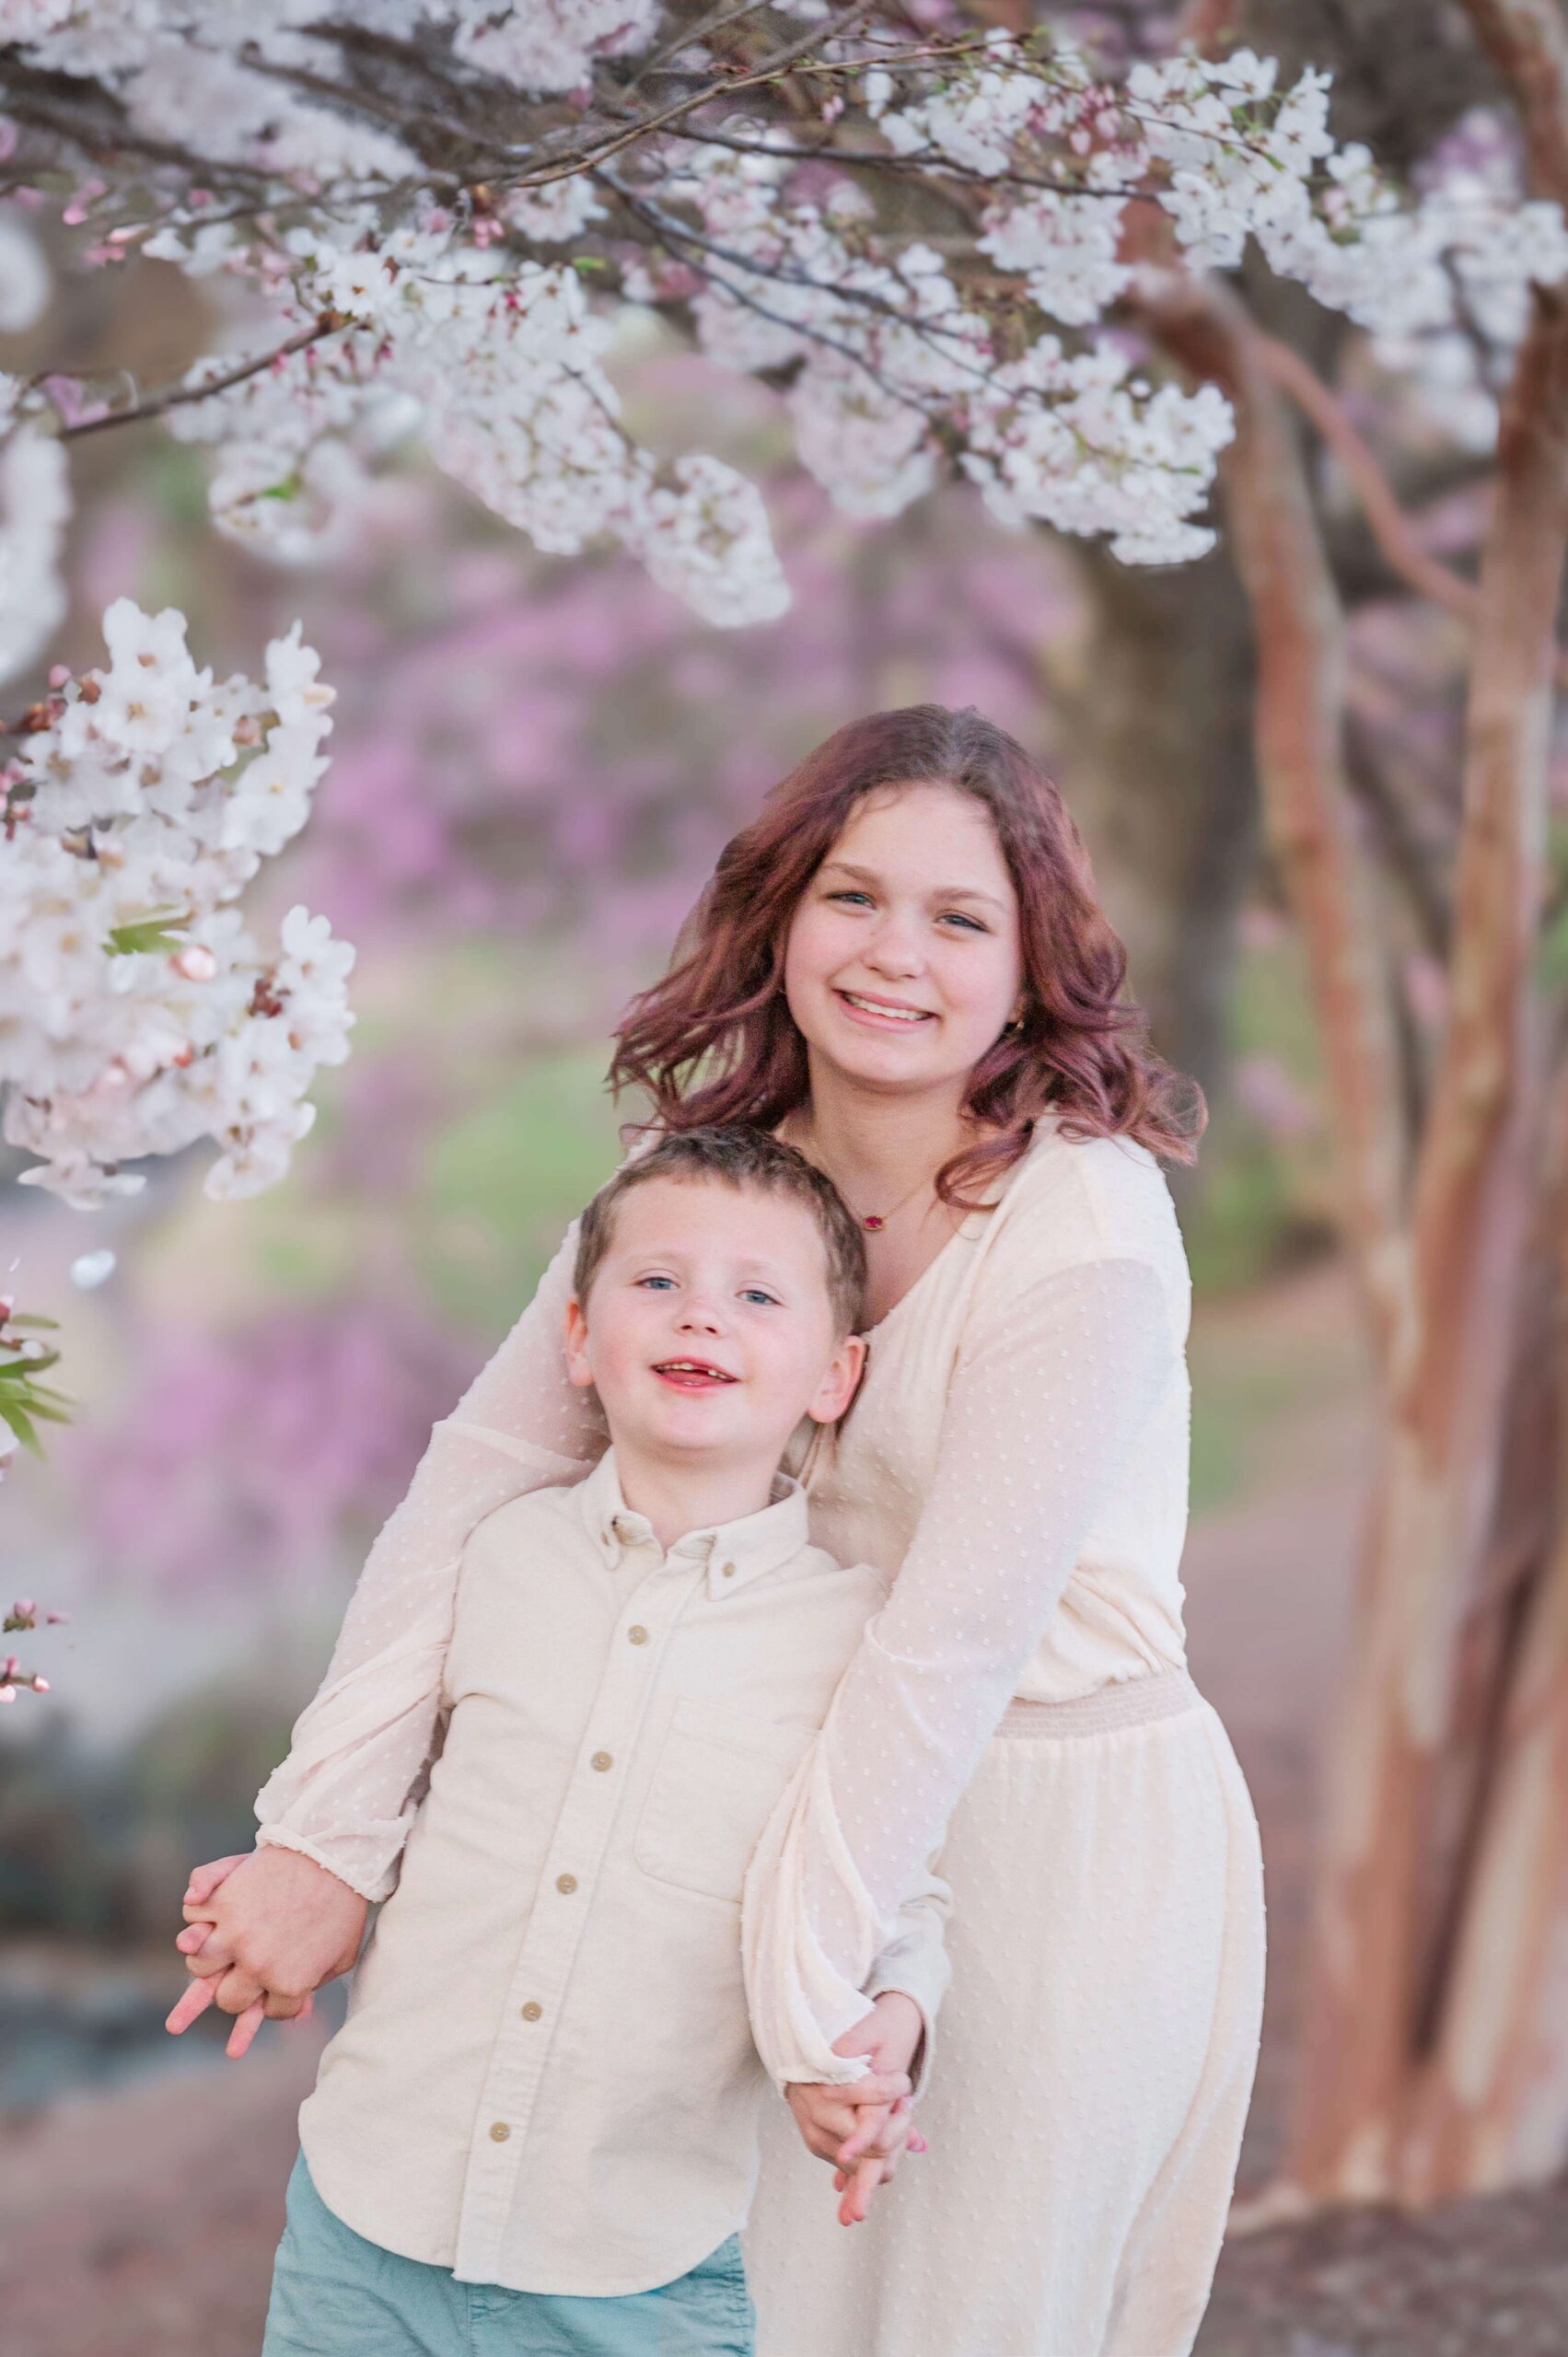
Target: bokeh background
[534, 762]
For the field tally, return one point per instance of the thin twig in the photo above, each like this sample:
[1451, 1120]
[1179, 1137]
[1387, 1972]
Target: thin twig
[778, 63]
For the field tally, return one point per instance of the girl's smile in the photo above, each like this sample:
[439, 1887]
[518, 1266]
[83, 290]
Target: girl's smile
[882, 1015]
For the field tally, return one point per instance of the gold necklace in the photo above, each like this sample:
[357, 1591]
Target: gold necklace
[872, 1220]
[875, 1220]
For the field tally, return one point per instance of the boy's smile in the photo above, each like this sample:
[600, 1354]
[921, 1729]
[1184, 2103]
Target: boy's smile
[692, 1375]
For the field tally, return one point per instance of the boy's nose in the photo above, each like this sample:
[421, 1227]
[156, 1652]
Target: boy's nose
[702, 1315]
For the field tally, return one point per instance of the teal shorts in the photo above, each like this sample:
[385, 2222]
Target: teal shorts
[334, 2295]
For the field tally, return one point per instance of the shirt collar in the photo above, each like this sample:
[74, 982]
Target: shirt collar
[734, 1552]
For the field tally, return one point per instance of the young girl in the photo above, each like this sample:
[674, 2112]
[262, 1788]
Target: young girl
[900, 966]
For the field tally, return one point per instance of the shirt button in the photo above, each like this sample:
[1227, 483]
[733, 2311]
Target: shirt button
[532, 2011]
[566, 1884]
[638, 1636]
[729, 1571]
[499, 2132]
[601, 1761]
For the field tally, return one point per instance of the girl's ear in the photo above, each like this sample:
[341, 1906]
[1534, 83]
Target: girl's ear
[841, 1381]
[579, 1370]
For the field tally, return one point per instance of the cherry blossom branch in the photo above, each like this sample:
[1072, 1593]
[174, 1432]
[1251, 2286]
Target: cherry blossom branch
[779, 61]
[328, 323]
[1390, 527]
[715, 20]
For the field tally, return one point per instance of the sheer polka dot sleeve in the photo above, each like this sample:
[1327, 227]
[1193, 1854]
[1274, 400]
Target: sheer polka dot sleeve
[1041, 1421]
[347, 1790]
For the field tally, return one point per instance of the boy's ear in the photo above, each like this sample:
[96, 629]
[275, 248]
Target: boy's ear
[841, 1381]
[579, 1371]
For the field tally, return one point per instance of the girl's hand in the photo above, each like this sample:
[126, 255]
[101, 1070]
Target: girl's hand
[864, 2129]
[262, 1932]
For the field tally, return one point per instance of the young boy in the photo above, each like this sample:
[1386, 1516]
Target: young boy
[538, 2128]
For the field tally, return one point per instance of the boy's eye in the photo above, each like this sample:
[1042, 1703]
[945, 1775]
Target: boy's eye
[655, 1281]
[757, 1293]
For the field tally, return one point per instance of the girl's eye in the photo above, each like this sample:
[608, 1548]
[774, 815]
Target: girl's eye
[755, 1293]
[970, 924]
[655, 1281]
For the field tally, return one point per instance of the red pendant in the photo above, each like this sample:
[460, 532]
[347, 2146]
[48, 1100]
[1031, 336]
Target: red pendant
[875, 1219]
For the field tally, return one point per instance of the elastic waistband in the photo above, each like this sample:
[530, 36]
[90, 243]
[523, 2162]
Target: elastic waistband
[1125, 1702]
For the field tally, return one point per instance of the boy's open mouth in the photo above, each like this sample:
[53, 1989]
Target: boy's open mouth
[691, 1375]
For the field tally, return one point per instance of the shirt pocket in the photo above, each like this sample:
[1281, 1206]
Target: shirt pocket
[717, 1776]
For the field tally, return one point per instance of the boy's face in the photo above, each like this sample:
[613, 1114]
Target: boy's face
[708, 1330]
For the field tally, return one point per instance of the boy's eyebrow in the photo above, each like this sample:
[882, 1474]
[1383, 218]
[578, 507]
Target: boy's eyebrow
[938, 891]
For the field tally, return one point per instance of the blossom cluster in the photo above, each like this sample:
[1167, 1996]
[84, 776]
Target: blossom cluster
[487, 323]
[138, 1014]
[500, 363]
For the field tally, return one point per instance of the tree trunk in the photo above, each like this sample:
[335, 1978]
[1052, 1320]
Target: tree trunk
[1307, 809]
[1436, 1495]
[1491, 2107]
[1158, 761]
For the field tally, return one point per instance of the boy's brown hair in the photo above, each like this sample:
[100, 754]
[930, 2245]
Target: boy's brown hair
[744, 1158]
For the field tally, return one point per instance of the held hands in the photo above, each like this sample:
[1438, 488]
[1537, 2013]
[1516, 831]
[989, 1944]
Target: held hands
[262, 1932]
[865, 2129]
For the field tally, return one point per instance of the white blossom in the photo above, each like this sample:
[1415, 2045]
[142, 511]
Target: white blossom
[138, 1014]
[548, 45]
[554, 213]
[706, 538]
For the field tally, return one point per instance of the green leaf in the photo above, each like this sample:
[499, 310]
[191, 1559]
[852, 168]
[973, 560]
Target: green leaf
[35, 1319]
[158, 931]
[45, 1414]
[20, 1424]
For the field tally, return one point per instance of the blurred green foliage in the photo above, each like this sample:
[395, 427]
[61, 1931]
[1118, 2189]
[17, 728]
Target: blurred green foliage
[505, 1178]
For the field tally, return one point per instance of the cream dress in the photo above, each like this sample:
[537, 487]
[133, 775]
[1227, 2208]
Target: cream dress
[1017, 1457]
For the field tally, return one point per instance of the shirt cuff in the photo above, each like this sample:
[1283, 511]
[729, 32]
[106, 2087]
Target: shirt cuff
[368, 1883]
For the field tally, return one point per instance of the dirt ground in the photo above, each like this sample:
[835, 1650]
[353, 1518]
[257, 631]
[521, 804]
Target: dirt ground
[142, 2223]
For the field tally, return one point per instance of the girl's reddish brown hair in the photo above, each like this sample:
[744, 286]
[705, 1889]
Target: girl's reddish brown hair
[714, 1039]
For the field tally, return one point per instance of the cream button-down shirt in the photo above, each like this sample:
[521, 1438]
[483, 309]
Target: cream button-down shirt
[547, 2079]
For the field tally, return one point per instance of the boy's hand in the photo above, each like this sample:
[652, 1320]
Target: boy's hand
[262, 1932]
[864, 2128]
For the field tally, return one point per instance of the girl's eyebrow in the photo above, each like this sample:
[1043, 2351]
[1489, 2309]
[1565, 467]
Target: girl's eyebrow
[938, 891]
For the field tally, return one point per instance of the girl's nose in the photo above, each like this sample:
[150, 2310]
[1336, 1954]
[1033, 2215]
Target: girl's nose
[895, 949]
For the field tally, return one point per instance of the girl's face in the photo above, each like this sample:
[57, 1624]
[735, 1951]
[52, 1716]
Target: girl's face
[903, 962]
